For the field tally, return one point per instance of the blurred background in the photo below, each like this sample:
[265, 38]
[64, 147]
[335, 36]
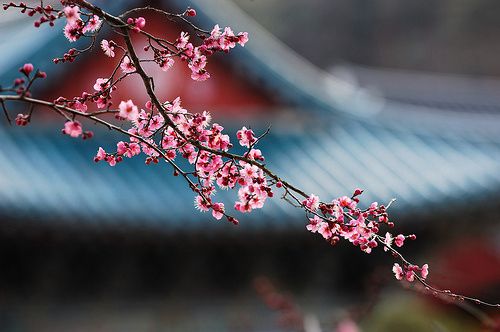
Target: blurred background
[400, 98]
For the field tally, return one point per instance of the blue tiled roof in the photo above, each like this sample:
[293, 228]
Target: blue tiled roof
[51, 177]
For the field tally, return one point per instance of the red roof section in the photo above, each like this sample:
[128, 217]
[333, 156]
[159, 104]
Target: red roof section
[225, 92]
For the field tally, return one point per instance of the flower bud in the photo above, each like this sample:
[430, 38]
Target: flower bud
[26, 69]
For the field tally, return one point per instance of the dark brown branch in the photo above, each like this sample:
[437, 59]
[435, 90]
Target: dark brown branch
[168, 14]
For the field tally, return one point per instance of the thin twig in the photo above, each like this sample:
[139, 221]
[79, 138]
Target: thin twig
[5, 112]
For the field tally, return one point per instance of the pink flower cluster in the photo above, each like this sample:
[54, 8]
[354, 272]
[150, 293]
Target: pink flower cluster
[409, 271]
[128, 110]
[210, 168]
[127, 66]
[46, 13]
[21, 84]
[74, 129]
[101, 97]
[196, 57]
[75, 27]
[343, 219]
[22, 119]
[137, 23]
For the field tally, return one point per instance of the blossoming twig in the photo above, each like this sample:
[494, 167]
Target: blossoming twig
[164, 129]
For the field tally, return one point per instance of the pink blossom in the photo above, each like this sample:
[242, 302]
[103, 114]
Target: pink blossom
[128, 110]
[80, 106]
[149, 149]
[206, 117]
[314, 224]
[22, 119]
[177, 111]
[72, 13]
[409, 276]
[201, 204]
[127, 66]
[398, 271]
[215, 33]
[190, 12]
[72, 128]
[26, 69]
[224, 41]
[246, 137]
[255, 154]
[187, 52]
[217, 140]
[170, 154]
[325, 230]
[198, 60]
[101, 155]
[182, 41]
[169, 139]
[128, 149]
[101, 102]
[167, 63]
[138, 23]
[111, 160]
[387, 241]
[227, 40]
[156, 122]
[188, 151]
[200, 75]
[357, 192]
[251, 197]
[101, 84]
[249, 172]
[73, 31]
[424, 272]
[312, 202]
[242, 38]
[347, 202]
[197, 65]
[108, 48]
[228, 176]
[399, 240]
[218, 210]
[93, 24]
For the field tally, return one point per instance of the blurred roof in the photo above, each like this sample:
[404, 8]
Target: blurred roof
[459, 93]
[427, 157]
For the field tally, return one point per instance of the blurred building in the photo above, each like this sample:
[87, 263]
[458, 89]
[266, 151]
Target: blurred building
[74, 230]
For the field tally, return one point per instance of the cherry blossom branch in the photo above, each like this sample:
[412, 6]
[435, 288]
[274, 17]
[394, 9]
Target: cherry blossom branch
[206, 147]
[150, 91]
[435, 291]
[93, 116]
